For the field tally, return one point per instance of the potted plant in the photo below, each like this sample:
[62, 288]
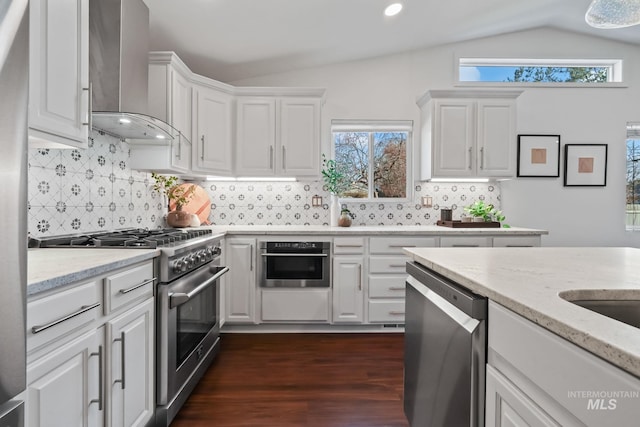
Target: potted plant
[178, 194]
[483, 212]
[333, 180]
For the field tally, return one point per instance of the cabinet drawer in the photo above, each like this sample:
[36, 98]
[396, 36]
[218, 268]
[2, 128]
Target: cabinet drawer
[387, 264]
[516, 241]
[386, 311]
[387, 286]
[464, 242]
[394, 245]
[128, 285]
[295, 305]
[52, 317]
[348, 245]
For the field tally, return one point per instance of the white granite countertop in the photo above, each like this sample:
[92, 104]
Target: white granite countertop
[409, 230]
[48, 269]
[529, 281]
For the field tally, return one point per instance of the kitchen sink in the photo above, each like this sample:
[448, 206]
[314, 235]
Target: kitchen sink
[626, 311]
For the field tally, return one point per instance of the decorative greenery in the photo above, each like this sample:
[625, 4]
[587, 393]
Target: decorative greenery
[486, 211]
[332, 178]
[348, 212]
[168, 185]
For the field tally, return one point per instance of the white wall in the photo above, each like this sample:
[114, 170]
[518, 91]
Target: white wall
[387, 87]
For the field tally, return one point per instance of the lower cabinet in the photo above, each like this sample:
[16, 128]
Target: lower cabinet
[240, 291]
[348, 289]
[131, 347]
[99, 371]
[64, 386]
[295, 305]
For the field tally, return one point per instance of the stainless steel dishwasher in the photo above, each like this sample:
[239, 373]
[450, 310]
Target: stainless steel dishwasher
[444, 352]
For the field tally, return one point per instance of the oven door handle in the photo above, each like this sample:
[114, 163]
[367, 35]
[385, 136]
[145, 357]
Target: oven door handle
[180, 298]
[293, 254]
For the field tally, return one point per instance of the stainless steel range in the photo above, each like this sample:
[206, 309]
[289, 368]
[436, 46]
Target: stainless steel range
[187, 303]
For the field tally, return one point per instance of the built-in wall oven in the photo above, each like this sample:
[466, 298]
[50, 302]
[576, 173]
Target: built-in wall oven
[295, 265]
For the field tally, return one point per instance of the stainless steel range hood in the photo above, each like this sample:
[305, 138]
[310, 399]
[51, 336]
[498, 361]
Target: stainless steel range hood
[119, 70]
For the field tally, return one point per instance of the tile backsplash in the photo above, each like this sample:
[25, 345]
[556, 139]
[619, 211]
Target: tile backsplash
[79, 191]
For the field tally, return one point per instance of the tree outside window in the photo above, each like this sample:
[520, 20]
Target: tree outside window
[633, 184]
[373, 163]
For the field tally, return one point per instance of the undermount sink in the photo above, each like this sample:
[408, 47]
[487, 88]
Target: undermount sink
[626, 311]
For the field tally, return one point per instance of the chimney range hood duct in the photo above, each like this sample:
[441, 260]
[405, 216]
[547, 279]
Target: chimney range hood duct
[119, 71]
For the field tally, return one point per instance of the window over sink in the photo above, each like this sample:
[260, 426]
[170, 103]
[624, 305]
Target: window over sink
[373, 158]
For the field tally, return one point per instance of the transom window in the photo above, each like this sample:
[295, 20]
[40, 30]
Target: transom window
[539, 71]
[372, 158]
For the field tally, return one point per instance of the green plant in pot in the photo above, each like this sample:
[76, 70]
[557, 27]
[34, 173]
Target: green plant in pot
[334, 182]
[485, 212]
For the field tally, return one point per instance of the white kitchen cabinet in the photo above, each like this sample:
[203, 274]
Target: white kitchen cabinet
[130, 338]
[278, 136]
[170, 99]
[76, 353]
[212, 130]
[59, 89]
[63, 387]
[240, 291]
[348, 289]
[468, 134]
[305, 305]
[564, 385]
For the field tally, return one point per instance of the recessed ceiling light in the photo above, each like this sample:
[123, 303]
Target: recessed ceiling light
[159, 136]
[393, 9]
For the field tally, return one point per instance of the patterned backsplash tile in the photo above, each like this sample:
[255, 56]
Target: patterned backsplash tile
[80, 191]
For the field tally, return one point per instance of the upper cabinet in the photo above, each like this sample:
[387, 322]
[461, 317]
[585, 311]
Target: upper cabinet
[213, 108]
[279, 135]
[59, 89]
[468, 134]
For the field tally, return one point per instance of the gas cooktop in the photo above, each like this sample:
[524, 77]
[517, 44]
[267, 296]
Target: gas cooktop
[126, 238]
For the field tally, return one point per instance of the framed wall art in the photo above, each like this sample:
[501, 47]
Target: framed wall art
[538, 156]
[585, 165]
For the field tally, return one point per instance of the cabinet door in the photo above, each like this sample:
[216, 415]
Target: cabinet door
[213, 121]
[454, 136]
[507, 406]
[63, 387]
[496, 137]
[130, 339]
[181, 103]
[59, 72]
[256, 137]
[348, 294]
[240, 292]
[299, 149]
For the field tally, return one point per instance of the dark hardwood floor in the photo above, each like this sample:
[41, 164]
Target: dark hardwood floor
[287, 380]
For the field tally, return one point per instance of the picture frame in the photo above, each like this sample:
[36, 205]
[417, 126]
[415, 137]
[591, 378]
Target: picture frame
[585, 165]
[538, 156]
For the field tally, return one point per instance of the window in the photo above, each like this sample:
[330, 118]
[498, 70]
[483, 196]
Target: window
[539, 71]
[633, 177]
[372, 158]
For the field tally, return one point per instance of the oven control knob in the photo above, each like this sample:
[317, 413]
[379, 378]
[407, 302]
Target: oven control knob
[217, 250]
[180, 266]
[200, 257]
[190, 261]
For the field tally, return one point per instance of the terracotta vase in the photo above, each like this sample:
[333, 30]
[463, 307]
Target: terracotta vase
[344, 220]
[179, 218]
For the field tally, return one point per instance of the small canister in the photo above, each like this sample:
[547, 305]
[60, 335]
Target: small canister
[446, 214]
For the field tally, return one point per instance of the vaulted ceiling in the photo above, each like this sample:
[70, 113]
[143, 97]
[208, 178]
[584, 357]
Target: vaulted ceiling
[235, 39]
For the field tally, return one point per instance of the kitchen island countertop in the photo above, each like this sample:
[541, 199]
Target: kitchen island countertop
[48, 269]
[529, 281]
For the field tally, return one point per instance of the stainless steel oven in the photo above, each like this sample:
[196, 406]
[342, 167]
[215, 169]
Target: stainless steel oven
[188, 325]
[295, 264]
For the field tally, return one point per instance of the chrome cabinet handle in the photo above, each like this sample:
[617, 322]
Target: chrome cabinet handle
[397, 288]
[122, 362]
[360, 278]
[284, 156]
[396, 313]
[482, 158]
[348, 246]
[397, 265]
[202, 152]
[179, 153]
[100, 398]
[402, 246]
[139, 285]
[465, 246]
[271, 157]
[83, 309]
[470, 165]
[89, 121]
[250, 257]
